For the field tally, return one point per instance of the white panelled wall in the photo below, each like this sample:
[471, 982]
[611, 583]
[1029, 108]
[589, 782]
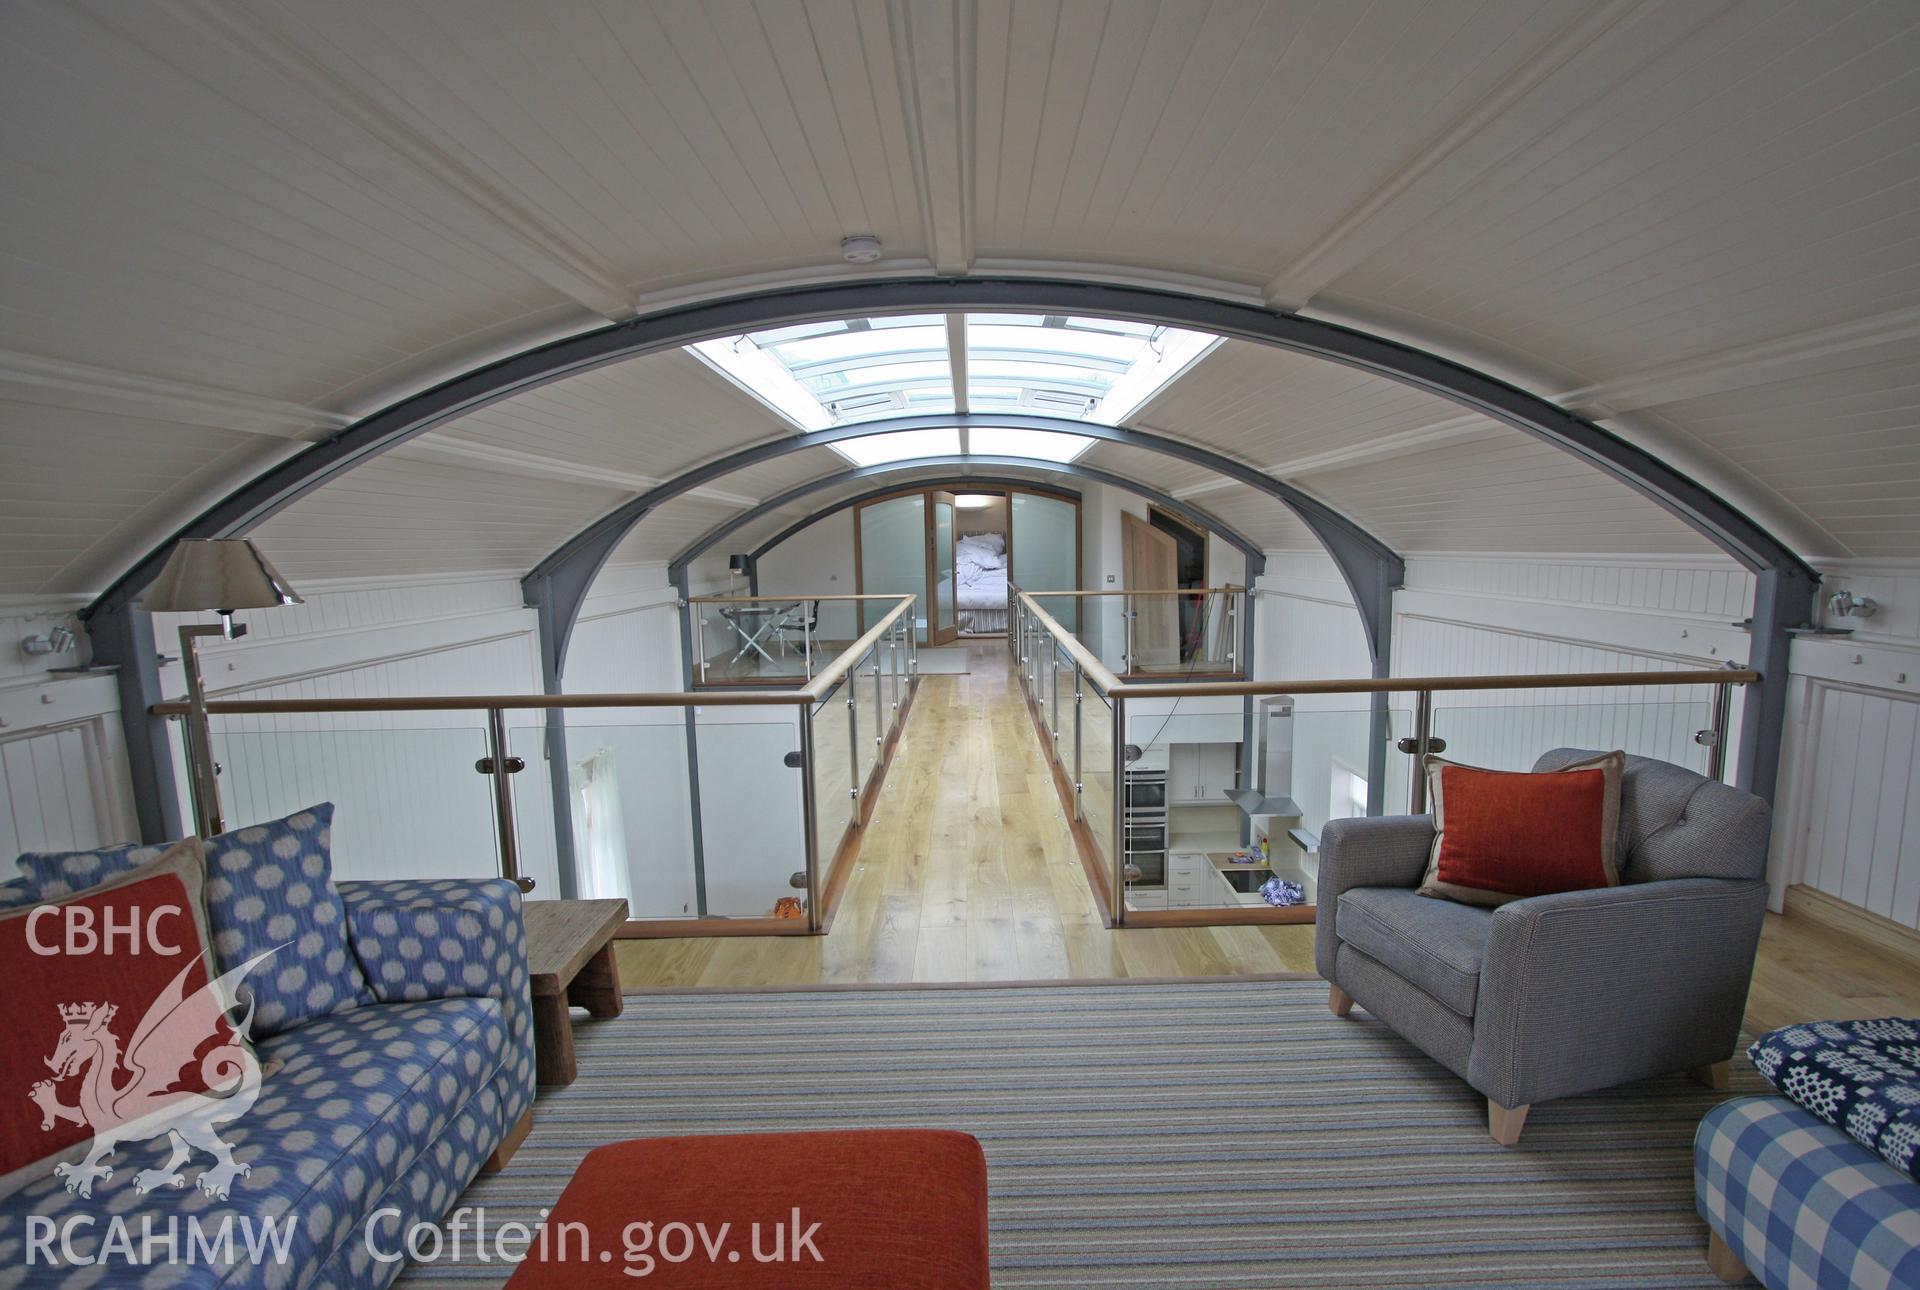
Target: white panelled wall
[1852, 756]
[63, 774]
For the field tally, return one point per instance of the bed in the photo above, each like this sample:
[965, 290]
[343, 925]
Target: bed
[980, 574]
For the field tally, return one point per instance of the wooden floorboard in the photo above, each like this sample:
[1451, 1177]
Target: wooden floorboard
[968, 873]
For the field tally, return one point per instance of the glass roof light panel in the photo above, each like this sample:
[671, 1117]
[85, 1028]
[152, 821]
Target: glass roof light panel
[834, 373]
[899, 445]
[1094, 369]
[1041, 445]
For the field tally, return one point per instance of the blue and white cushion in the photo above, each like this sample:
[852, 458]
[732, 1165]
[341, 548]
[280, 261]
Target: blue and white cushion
[55, 875]
[270, 887]
[1859, 1076]
[15, 894]
[446, 937]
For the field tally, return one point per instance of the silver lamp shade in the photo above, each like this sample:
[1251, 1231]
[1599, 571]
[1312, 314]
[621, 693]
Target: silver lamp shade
[217, 573]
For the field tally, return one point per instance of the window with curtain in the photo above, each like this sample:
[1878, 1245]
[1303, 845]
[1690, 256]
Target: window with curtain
[599, 832]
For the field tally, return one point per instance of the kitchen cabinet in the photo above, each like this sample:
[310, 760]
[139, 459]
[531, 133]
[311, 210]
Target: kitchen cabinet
[1201, 773]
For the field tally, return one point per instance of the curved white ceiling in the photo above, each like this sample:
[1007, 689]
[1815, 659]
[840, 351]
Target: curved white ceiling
[230, 229]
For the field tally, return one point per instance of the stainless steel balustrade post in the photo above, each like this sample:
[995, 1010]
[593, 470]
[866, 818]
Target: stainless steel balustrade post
[500, 764]
[1079, 787]
[699, 637]
[879, 700]
[1119, 810]
[1126, 635]
[1422, 734]
[1053, 691]
[898, 661]
[1233, 630]
[808, 823]
[1717, 730]
[851, 682]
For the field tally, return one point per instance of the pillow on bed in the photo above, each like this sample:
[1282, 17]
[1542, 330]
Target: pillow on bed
[989, 549]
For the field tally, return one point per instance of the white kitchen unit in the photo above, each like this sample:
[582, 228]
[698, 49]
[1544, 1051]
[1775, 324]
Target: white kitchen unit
[1201, 774]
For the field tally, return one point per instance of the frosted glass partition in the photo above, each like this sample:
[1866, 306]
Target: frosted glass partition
[893, 557]
[943, 564]
[750, 812]
[407, 802]
[629, 803]
[1511, 736]
[1046, 551]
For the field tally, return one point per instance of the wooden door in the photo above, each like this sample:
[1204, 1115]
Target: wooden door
[1150, 561]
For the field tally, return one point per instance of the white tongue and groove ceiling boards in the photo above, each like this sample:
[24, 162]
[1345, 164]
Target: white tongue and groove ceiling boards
[231, 228]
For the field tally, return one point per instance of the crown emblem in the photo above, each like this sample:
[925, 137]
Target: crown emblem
[77, 1014]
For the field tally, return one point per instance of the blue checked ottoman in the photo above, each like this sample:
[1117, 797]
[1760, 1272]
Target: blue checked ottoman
[1792, 1201]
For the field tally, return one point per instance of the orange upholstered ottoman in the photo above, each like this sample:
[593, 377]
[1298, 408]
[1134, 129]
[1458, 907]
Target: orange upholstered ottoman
[901, 1209]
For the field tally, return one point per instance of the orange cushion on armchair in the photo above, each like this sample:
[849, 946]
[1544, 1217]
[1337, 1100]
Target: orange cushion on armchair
[1502, 835]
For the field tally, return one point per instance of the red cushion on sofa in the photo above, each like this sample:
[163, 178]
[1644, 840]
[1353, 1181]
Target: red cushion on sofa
[1503, 836]
[905, 1209]
[83, 973]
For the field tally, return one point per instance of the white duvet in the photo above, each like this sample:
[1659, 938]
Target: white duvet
[980, 571]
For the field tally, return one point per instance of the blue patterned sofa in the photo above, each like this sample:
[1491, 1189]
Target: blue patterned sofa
[393, 1105]
[1794, 1201]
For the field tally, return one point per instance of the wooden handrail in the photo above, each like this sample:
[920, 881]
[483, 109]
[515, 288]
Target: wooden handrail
[1371, 685]
[523, 702]
[786, 600]
[1095, 670]
[1147, 591]
[1438, 684]
[481, 702]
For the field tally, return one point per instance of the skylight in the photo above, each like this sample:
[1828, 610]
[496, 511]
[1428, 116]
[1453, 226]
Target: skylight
[900, 445]
[842, 372]
[1043, 445]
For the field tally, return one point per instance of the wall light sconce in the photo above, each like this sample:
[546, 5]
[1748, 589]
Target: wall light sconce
[1844, 604]
[57, 641]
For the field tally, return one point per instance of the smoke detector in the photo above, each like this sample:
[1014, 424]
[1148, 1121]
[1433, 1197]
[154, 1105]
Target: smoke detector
[861, 248]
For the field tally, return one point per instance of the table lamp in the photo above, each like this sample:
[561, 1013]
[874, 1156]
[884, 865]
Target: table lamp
[221, 574]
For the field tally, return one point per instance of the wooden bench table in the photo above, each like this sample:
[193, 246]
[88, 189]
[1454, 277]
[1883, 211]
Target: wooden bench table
[570, 960]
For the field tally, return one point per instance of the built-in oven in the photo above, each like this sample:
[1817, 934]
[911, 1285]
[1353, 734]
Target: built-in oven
[1147, 791]
[1145, 826]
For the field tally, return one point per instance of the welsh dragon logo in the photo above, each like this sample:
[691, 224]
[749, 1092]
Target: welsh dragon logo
[129, 1094]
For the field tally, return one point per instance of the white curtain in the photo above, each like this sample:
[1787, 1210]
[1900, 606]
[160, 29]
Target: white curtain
[599, 833]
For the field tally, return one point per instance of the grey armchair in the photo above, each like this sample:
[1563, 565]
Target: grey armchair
[1556, 995]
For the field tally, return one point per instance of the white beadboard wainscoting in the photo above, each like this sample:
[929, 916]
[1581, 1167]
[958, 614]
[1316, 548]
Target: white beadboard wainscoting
[63, 771]
[1851, 764]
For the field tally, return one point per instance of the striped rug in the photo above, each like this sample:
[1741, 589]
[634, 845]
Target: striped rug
[1204, 1134]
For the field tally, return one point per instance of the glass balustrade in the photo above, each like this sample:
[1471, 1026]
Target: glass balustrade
[1224, 787]
[726, 803]
[407, 799]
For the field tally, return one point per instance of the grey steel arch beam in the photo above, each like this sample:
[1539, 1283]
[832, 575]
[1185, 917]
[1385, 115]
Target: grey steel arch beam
[717, 534]
[559, 583]
[1785, 582]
